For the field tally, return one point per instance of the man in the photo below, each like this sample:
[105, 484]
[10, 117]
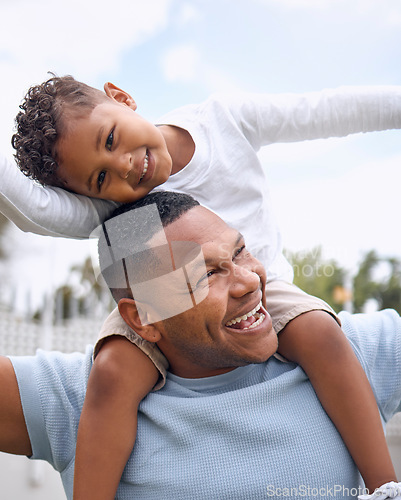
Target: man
[232, 421]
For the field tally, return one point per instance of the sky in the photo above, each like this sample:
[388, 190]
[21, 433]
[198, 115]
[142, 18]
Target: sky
[342, 194]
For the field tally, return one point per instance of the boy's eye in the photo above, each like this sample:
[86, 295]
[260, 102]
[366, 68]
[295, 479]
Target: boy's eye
[100, 179]
[109, 140]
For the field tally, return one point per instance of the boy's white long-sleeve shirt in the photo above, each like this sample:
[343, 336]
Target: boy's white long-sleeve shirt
[225, 173]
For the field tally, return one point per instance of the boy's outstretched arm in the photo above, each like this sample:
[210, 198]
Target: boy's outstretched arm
[315, 341]
[48, 211]
[121, 376]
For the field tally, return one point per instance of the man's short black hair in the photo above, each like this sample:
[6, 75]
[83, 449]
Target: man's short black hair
[170, 204]
[130, 235]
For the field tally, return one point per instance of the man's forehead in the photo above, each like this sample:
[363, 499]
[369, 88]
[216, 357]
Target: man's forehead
[200, 225]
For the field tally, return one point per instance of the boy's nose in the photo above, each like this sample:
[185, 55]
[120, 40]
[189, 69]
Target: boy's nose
[124, 166]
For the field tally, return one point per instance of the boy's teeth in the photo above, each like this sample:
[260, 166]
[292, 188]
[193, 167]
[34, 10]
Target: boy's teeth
[247, 315]
[145, 166]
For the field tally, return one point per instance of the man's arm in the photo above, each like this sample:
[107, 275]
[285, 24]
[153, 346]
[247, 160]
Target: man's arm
[13, 432]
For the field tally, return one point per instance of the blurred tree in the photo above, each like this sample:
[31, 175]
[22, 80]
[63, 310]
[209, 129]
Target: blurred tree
[327, 280]
[385, 288]
[81, 292]
[390, 290]
[88, 278]
[316, 276]
[364, 286]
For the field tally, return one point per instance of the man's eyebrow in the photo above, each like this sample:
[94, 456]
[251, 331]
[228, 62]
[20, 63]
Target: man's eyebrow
[212, 260]
[238, 240]
[240, 237]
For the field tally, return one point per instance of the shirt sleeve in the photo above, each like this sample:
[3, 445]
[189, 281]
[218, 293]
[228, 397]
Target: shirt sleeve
[52, 387]
[376, 339]
[48, 211]
[271, 118]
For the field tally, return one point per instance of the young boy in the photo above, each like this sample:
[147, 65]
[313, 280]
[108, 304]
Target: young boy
[72, 136]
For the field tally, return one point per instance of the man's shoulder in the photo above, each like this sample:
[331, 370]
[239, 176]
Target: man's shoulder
[376, 340]
[378, 327]
[375, 324]
[53, 367]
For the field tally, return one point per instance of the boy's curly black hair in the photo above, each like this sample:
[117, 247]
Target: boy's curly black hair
[43, 119]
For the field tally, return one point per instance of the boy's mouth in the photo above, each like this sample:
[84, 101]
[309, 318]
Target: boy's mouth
[145, 166]
[249, 320]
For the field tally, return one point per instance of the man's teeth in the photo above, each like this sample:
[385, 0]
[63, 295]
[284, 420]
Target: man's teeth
[258, 316]
[145, 166]
[244, 316]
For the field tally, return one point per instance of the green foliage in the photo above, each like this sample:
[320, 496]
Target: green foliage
[319, 277]
[326, 279]
[69, 301]
[385, 289]
[364, 287]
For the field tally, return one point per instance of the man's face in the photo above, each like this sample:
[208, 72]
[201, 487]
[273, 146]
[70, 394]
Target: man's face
[113, 154]
[211, 338]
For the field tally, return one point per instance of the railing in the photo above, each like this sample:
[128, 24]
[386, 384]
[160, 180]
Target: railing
[20, 334]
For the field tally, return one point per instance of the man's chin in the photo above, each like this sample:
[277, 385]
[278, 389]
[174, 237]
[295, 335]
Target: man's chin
[271, 348]
[265, 352]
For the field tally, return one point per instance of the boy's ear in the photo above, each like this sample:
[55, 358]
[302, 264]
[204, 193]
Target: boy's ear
[119, 95]
[129, 313]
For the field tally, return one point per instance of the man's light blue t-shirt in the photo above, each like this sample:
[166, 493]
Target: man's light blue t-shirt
[256, 432]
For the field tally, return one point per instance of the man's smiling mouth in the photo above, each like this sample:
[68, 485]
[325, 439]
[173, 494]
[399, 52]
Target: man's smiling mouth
[249, 320]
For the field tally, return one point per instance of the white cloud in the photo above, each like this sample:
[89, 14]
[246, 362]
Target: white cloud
[83, 38]
[385, 9]
[394, 16]
[87, 35]
[347, 214]
[188, 13]
[181, 64]
[186, 64]
[301, 4]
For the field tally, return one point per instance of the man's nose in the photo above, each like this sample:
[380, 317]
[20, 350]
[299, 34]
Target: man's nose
[244, 280]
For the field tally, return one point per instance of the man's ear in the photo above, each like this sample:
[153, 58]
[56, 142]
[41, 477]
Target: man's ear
[119, 95]
[130, 315]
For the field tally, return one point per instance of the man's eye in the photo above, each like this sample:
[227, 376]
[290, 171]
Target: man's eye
[109, 140]
[203, 280]
[100, 179]
[238, 251]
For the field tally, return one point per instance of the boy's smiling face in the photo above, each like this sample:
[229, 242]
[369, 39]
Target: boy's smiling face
[113, 154]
